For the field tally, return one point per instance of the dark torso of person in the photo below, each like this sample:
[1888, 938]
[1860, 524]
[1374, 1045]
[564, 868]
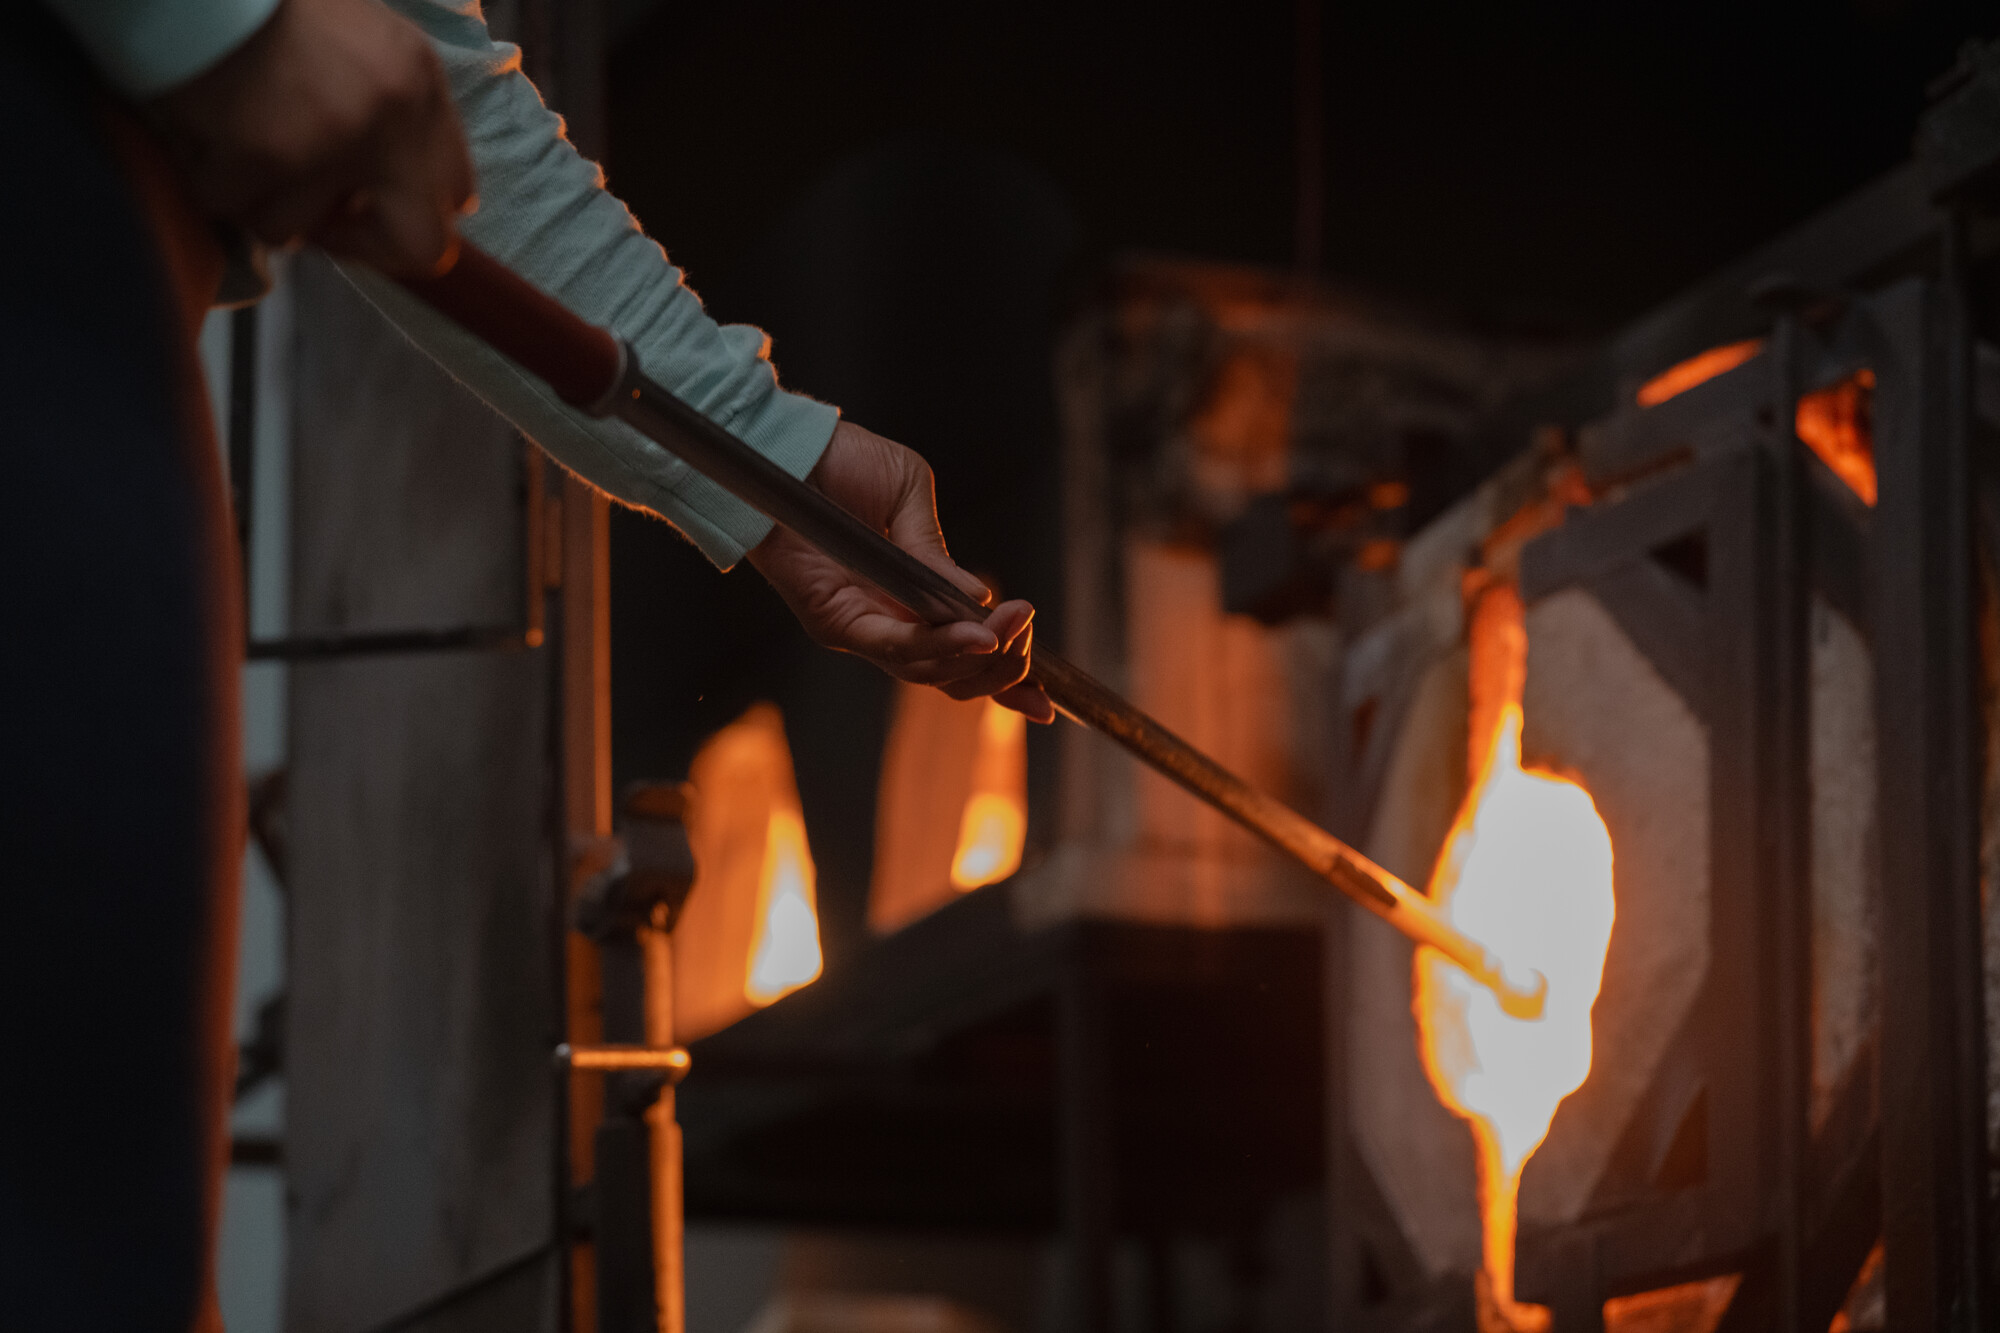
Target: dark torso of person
[120, 799]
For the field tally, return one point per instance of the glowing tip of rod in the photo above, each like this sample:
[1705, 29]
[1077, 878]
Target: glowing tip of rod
[1522, 997]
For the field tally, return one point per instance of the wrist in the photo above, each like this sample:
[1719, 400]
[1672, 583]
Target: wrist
[147, 48]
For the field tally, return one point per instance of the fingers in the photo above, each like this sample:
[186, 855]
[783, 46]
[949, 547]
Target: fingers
[969, 583]
[426, 183]
[1028, 699]
[891, 488]
[1010, 623]
[926, 654]
[398, 233]
[974, 671]
[335, 122]
[913, 525]
[310, 205]
[1003, 673]
[403, 217]
[941, 654]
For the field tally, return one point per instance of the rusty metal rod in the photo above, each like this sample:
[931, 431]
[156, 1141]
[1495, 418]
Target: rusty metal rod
[596, 373]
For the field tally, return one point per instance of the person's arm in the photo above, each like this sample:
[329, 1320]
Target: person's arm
[144, 47]
[335, 121]
[545, 213]
[328, 120]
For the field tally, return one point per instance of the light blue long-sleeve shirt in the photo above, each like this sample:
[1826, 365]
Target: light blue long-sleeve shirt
[147, 46]
[543, 211]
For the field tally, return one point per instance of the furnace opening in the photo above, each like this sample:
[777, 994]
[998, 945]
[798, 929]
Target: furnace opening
[952, 805]
[1527, 870]
[749, 934]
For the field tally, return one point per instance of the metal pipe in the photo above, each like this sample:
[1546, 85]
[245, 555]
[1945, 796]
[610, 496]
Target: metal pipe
[613, 1057]
[593, 371]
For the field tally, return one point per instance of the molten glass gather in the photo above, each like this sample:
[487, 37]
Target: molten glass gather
[784, 951]
[1526, 870]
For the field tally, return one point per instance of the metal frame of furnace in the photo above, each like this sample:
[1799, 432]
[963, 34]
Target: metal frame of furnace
[1891, 279]
[1726, 1110]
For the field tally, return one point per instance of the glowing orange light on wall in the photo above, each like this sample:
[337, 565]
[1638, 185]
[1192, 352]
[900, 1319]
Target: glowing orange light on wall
[1690, 1307]
[1836, 423]
[1700, 369]
[995, 823]
[1526, 869]
[951, 812]
[749, 932]
[784, 952]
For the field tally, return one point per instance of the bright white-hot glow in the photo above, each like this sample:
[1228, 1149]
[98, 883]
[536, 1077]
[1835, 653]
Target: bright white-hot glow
[1534, 885]
[1527, 871]
[995, 823]
[784, 951]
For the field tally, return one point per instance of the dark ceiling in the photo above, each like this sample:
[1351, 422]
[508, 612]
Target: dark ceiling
[1573, 161]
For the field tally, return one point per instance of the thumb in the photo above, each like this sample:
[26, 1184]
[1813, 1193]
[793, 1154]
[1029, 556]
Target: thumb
[913, 525]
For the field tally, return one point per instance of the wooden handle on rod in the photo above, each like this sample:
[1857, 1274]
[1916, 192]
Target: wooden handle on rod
[580, 361]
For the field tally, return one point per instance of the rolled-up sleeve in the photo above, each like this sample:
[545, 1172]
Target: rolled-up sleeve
[145, 47]
[544, 211]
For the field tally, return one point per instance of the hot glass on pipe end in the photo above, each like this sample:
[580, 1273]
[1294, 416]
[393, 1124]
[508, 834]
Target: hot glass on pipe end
[1522, 992]
[1522, 997]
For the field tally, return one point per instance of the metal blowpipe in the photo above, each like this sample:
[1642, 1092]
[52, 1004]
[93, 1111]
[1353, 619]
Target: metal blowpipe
[593, 371]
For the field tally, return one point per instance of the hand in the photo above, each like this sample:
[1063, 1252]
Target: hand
[889, 488]
[334, 123]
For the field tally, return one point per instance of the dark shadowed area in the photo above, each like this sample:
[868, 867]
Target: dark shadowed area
[908, 196]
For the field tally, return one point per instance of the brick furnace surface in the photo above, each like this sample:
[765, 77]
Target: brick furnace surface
[1598, 711]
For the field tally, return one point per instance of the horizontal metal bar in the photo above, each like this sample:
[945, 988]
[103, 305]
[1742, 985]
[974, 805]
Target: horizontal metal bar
[321, 647]
[672, 1060]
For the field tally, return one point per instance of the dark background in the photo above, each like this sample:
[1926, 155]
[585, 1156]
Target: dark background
[908, 197]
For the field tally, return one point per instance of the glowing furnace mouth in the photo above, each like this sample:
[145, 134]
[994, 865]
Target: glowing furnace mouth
[1526, 870]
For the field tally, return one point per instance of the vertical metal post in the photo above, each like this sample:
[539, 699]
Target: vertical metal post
[1934, 1170]
[669, 1276]
[1736, 1019]
[630, 913]
[563, 46]
[241, 434]
[586, 783]
[621, 1185]
[1784, 830]
[586, 604]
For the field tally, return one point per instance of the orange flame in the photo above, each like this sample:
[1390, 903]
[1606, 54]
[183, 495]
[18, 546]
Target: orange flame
[1527, 871]
[784, 953]
[995, 823]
